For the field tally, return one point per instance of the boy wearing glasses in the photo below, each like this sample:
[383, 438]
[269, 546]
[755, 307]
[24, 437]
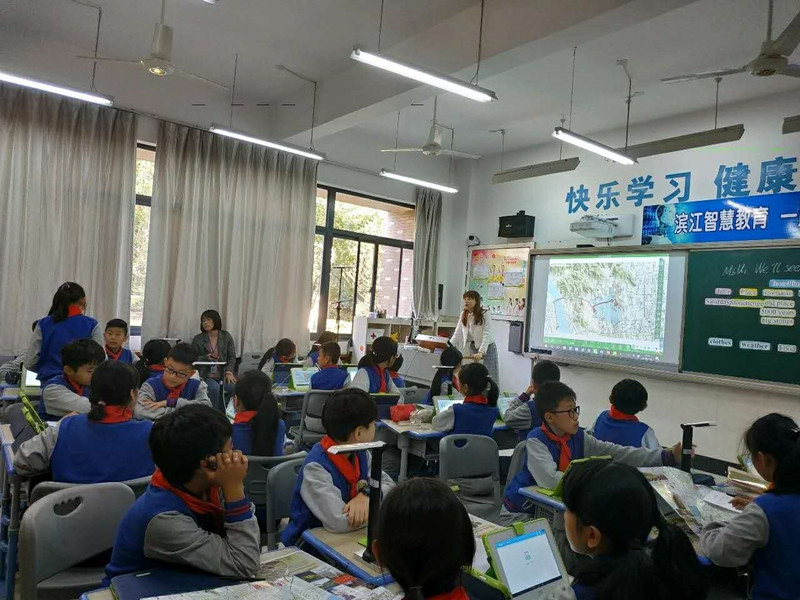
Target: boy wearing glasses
[174, 388]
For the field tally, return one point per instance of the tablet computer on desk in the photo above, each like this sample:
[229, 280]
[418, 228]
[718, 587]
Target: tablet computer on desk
[301, 377]
[282, 374]
[442, 403]
[28, 382]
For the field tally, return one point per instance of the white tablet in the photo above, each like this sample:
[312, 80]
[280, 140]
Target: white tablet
[301, 377]
[29, 381]
[442, 403]
[528, 564]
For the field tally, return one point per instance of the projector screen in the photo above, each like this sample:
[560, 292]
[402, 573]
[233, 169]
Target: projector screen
[616, 307]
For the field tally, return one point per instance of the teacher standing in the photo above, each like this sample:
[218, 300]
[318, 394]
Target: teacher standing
[473, 334]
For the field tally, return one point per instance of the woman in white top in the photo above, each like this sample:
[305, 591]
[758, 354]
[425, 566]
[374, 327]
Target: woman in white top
[473, 334]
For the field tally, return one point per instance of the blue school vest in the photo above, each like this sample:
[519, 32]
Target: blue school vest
[475, 419]
[775, 567]
[54, 337]
[314, 356]
[624, 433]
[375, 380]
[243, 438]
[161, 392]
[432, 393]
[399, 381]
[329, 378]
[301, 516]
[125, 356]
[60, 380]
[91, 452]
[536, 421]
[513, 500]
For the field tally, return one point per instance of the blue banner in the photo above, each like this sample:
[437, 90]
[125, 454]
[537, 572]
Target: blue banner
[741, 219]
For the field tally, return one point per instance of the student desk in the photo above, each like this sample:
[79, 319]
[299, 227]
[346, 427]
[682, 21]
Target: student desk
[341, 548]
[10, 514]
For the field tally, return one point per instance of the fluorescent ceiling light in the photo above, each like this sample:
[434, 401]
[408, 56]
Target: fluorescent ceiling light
[791, 124]
[548, 168]
[576, 139]
[686, 142]
[420, 182]
[423, 75]
[284, 147]
[54, 89]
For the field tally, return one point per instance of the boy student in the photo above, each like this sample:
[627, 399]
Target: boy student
[69, 392]
[115, 335]
[619, 425]
[332, 489]
[521, 414]
[174, 388]
[194, 513]
[330, 376]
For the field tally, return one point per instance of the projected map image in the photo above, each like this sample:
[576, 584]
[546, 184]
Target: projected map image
[607, 305]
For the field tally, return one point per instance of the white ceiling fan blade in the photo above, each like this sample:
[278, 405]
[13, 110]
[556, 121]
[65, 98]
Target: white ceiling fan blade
[791, 71]
[457, 154]
[789, 39]
[401, 150]
[200, 78]
[105, 59]
[704, 75]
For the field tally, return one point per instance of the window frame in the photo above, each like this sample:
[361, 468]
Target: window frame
[142, 200]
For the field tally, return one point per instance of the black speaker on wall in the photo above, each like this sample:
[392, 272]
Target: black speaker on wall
[440, 296]
[519, 225]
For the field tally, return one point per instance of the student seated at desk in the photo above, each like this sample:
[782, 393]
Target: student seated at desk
[332, 490]
[611, 511]
[765, 534]
[445, 381]
[257, 427]
[312, 360]
[394, 373]
[425, 540]
[285, 351]
[330, 376]
[13, 366]
[373, 369]
[107, 444]
[619, 424]
[521, 414]
[154, 354]
[115, 335]
[479, 411]
[69, 392]
[194, 512]
[174, 388]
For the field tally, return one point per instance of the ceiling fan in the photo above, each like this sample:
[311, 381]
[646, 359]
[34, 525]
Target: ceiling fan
[433, 146]
[160, 60]
[773, 59]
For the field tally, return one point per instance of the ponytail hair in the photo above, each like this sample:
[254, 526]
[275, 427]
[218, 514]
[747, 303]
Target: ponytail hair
[384, 349]
[153, 353]
[67, 294]
[778, 436]
[476, 377]
[254, 391]
[632, 568]
[112, 384]
[477, 312]
[450, 357]
[425, 538]
[284, 347]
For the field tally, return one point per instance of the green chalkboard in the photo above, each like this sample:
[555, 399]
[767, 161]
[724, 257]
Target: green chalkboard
[741, 314]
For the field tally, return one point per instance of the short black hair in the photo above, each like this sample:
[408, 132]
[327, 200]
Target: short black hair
[332, 350]
[629, 396]
[550, 394]
[346, 410]
[119, 324]
[183, 353]
[397, 364]
[112, 383]
[84, 351]
[183, 438]
[214, 316]
[545, 370]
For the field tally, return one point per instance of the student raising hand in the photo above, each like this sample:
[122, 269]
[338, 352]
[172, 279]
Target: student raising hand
[228, 470]
[357, 510]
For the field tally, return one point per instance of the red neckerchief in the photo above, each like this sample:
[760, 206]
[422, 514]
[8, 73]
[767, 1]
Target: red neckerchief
[566, 455]
[394, 374]
[176, 391]
[197, 506]
[477, 399]
[349, 470]
[78, 389]
[116, 414]
[74, 310]
[159, 368]
[245, 416]
[618, 415]
[458, 593]
[284, 359]
[112, 355]
[382, 389]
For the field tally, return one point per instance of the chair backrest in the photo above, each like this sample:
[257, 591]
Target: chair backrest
[258, 467]
[468, 456]
[516, 462]
[280, 487]
[384, 404]
[311, 413]
[68, 527]
[249, 362]
[45, 488]
[413, 395]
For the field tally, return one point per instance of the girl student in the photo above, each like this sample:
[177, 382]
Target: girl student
[63, 324]
[446, 380]
[479, 411]
[611, 511]
[313, 357]
[151, 364]
[285, 351]
[765, 534]
[257, 427]
[473, 334]
[425, 540]
[373, 369]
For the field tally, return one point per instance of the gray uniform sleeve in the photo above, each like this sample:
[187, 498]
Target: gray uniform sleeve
[650, 441]
[269, 367]
[360, 380]
[12, 366]
[445, 420]
[176, 538]
[60, 401]
[635, 457]
[518, 414]
[732, 544]
[33, 456]
[201, 396]
[34, 348]
[518, 401]
[323, 498]
[140, 412]
[541, 464]
[97, 335]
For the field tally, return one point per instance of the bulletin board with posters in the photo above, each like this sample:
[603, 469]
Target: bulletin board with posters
[500, 275]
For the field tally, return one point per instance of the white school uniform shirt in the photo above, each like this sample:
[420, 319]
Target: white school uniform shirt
[480, 335]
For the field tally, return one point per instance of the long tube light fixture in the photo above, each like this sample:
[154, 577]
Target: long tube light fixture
[538, 170]
[565, 135]
[791, 125]
[423, 75]
[420, 182]
[700, 139]
[313, 154]
[55, 89]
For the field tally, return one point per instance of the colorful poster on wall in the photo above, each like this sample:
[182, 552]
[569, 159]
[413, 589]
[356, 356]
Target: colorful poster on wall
[500, 276]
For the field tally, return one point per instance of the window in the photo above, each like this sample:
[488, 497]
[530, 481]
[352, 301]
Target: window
[363, 259]
[145, 169]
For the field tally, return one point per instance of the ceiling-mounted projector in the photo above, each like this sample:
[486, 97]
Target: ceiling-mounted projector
[603, 227]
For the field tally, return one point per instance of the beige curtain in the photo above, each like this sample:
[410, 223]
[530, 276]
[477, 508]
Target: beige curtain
[67, 198]
[231, 228]
[428, 215]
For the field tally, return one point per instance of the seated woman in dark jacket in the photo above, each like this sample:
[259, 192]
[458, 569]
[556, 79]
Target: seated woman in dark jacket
[214, 344]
